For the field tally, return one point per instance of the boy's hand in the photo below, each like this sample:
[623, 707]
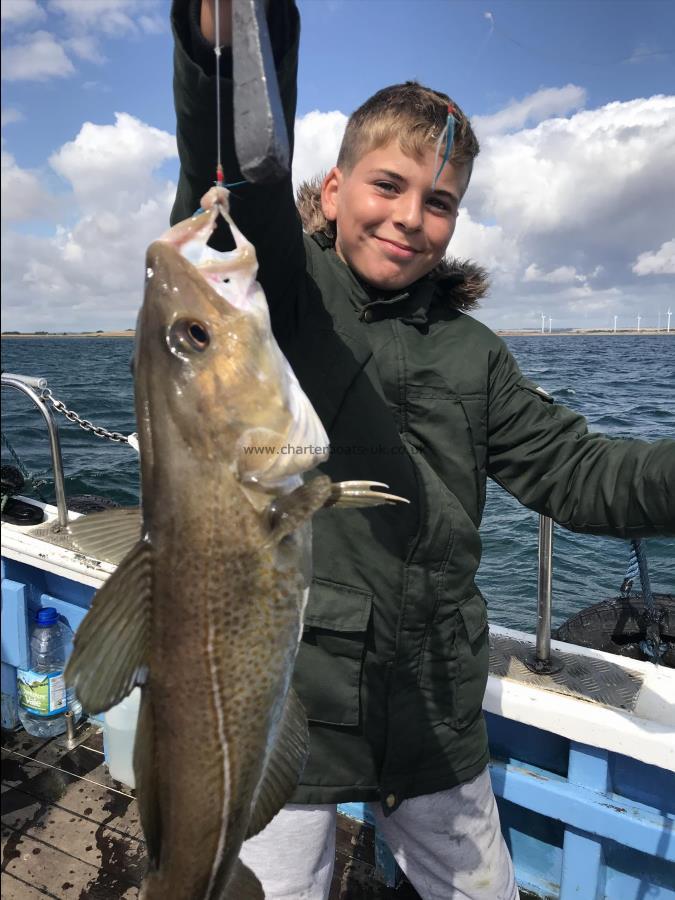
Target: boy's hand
[207, 21]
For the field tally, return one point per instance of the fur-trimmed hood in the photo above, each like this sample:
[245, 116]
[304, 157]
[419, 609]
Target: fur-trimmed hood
[463, 295]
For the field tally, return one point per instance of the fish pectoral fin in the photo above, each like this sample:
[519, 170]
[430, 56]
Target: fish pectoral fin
[107, 535]
[243, 885]
[145, 771]
[284, 766]
[353, 494]
[110, 647]
[289, 511]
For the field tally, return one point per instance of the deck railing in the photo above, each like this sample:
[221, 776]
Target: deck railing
[30, 387]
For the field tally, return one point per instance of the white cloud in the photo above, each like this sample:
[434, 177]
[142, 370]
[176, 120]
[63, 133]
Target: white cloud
[317, 140]
[557, 213]
[488, 245]
[152, 24]
[574, 195]
[89, 273]
[599, 173]
[11, 115]
[112, 17]
[18, 12]
[35, 57]
[110, 166]
[585, 300]
[86, 47]
[661, 262]
[535, 107]
[561, 275]
[646, 53]
[22, 194]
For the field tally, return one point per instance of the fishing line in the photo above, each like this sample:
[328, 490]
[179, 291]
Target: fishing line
[220, 178]
[448, 132]
[478, 55]
[549, 53]
[232, 184]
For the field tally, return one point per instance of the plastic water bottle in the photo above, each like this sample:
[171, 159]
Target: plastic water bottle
[43, 699]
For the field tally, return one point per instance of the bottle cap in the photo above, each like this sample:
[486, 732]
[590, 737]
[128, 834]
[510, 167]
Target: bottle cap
[47, 616]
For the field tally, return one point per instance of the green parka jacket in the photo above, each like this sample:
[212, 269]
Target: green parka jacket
[415, 393]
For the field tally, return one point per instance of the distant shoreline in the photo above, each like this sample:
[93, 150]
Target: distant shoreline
[507, 332]
[585, 332]
[129, 333]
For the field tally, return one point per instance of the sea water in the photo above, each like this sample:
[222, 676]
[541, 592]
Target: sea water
[623, 384]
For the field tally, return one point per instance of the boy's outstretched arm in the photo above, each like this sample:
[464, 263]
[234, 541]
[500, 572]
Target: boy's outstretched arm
[544, 455]
[266, 214]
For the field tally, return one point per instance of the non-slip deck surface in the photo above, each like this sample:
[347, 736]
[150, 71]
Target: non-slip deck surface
[70, 831]
[588, 678]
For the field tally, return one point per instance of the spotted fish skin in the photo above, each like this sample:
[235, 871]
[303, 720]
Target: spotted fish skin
[205, 610]
[216, 585]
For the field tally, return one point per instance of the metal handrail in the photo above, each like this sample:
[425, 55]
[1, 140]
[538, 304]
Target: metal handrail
[544, 587]
[26, 385]
[542, 662]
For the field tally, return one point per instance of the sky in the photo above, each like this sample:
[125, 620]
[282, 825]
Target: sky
[570, 207]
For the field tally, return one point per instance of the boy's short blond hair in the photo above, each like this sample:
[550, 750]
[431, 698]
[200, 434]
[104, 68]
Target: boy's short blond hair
[413, 115]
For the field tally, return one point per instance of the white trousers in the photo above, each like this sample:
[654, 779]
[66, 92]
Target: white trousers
[449, 845]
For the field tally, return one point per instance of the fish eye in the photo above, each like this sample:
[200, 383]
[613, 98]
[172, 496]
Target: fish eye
[188, 335]
[198, 335]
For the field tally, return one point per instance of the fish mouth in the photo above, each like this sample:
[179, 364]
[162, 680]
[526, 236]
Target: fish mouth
[229, 273]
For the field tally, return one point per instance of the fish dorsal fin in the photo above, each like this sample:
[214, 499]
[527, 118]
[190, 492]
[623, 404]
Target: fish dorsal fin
[145, 771]
[243, 885]
[107, 535]
[110, 648]
[284, 766]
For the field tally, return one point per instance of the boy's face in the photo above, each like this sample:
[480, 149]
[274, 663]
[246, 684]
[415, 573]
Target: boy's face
[391, 227]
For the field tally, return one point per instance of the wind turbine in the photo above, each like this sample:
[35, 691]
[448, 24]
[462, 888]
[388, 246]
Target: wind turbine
[550, 320]
[669, 314]
[543, 322]
[639, 320]
[615, 318]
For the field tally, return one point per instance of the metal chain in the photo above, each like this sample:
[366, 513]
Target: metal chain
[15, 456]
[72, 416]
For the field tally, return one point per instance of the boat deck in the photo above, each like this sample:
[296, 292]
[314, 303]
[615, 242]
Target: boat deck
[70, 831]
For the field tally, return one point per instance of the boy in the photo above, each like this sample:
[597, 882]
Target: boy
[393, 663]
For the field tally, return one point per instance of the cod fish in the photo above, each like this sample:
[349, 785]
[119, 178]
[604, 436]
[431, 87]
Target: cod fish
[205, 610]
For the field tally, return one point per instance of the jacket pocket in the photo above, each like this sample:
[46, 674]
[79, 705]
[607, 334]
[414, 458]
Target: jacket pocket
[455, 663]
[329, 666]
[474, 660]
